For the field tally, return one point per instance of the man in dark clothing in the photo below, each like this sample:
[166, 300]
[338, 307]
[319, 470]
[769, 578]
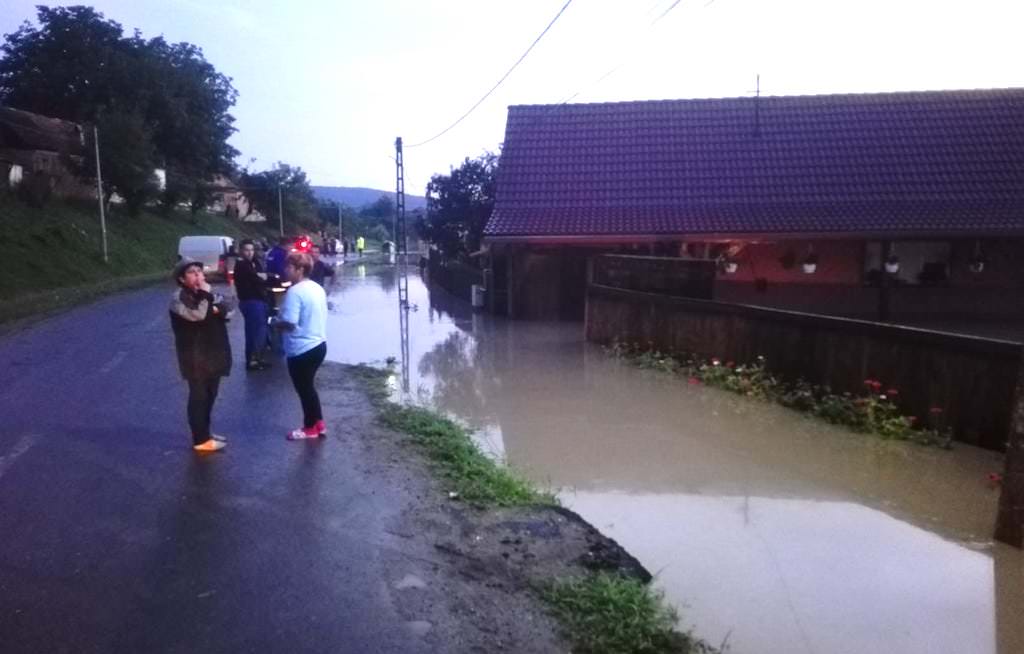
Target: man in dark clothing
[276, 257]
[204, 352]
[250, 286]
[321, 271]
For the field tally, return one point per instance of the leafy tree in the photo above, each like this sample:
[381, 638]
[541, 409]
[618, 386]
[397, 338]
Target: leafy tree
[297, 198]
[157, 104]
[459, 205]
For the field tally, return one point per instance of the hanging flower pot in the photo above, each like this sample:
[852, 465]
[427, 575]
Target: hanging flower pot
[810, 264]
[892, 264]
[977, 265]
[730, 266]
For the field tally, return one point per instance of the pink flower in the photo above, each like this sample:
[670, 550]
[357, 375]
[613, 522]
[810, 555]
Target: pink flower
[995, 478]
[694, 381]
[892, 392]
[935, 410]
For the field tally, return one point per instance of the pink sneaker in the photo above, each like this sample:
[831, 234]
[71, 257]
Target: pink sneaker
[321, 428]
[303, 433]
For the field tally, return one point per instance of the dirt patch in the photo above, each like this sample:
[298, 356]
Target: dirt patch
[461, 577]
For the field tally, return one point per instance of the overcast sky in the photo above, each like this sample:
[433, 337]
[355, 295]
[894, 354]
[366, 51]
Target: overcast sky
[329, 84]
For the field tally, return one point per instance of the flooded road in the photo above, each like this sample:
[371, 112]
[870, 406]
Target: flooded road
[770, 531]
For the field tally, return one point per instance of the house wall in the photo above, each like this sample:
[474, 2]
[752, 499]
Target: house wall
[837, 287]
[971, 379]
[547, 283]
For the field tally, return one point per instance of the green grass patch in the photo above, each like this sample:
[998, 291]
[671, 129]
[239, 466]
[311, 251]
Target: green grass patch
[476, 478]
[610, 614]
[54, 255]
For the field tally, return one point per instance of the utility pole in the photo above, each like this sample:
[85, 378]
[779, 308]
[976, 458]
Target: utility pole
[99, 191]
[401, 246]
[280, 209]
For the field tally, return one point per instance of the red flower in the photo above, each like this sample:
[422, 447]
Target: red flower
[870, 383]
[995, 478]
[935, 410]
[892, 392]
[730, 364]
[694, 381]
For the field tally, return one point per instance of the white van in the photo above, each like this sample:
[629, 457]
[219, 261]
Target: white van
[210, 250]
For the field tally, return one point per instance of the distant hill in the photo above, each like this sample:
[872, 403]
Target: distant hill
[357, 198]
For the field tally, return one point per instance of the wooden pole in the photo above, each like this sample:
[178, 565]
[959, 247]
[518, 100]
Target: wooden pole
[1010, 519]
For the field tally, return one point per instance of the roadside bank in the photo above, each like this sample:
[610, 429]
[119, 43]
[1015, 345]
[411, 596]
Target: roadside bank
[53, 254]
[495, 529]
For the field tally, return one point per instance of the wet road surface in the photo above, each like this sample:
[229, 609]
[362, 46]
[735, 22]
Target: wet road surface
[115, 537]
[771, 531]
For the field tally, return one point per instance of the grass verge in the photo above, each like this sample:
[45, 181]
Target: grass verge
[599, 612]
[476, 478]
[53, 257]
[610, 614]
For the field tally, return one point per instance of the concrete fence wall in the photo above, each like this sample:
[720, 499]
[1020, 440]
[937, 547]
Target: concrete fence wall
[455, 277]
[972, 379]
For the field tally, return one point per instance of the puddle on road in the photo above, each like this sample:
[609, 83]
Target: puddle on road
[775, 532]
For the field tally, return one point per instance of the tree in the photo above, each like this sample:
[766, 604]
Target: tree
[157, 104]
[300, 205]
[459, 205]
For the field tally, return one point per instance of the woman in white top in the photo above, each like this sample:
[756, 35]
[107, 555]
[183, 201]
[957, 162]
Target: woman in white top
[303, 321]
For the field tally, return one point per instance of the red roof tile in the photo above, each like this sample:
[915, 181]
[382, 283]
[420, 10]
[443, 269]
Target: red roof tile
[924, 162]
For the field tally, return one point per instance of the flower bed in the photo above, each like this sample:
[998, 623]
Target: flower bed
[875, 411]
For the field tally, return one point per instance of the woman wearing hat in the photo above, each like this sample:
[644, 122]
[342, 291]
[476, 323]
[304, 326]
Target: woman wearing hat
[204, 352]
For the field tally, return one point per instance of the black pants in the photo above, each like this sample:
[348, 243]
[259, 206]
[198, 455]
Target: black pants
[302, 369]
[201, 394]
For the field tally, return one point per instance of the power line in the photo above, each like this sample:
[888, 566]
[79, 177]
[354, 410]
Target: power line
[503, 77]
[622, 62]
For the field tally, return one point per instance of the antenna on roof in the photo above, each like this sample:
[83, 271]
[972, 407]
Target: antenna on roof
[757, 107]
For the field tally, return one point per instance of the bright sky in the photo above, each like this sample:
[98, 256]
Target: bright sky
[329, 84]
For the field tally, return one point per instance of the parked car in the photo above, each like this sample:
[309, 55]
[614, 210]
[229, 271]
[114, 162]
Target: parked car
[212, 251]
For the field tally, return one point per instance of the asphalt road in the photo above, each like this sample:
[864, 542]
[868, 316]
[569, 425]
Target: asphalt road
[115, 537]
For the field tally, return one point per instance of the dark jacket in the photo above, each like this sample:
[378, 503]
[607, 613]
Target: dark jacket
[275, 260]
[248, 285]
[321, 271]
[200, 336]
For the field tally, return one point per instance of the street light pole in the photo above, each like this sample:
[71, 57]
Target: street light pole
[99, 191]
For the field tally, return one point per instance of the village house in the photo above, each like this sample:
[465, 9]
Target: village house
[41, 154]
[891, 205]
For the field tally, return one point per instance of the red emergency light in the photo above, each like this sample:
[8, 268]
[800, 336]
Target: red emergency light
[303, 244]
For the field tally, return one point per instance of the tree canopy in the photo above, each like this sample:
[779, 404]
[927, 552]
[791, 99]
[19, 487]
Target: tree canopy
[300, 205]
[459, 205]
[156, 104]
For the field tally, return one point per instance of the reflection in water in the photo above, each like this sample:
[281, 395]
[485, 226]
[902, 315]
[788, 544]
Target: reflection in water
[789, 535]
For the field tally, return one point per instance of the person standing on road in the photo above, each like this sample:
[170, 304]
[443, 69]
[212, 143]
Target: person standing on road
[250, 286]
[360, 245]
[303, 321]
[321, 271]
[204, 352]
[276, 257]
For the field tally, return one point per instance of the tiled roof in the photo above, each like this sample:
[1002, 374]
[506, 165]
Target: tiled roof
[923, 162]
[23, 130]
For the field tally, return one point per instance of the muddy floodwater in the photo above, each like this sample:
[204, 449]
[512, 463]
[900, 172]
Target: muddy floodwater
[770, 531]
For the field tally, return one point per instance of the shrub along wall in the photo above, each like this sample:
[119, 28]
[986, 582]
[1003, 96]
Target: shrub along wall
[972, 379]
